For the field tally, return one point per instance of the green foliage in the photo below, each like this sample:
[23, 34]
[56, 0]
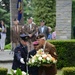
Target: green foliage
[5, 16]
[8, 47]
[68, 71]
[3, 71]
[18, 72]
[28, 9]
[45, 9]
[65, 51]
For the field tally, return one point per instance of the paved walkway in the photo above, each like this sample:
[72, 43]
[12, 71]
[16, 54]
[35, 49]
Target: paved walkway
[6, 58]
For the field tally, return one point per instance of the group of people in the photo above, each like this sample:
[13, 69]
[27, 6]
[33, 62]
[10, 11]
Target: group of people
[2, 35]
[32, 30]
[26, 40]
[21, 56]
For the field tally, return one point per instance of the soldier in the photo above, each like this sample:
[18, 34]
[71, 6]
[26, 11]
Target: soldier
[30, 30]
[49, 48]
[15, 33]
[20, 54]
[33, 70]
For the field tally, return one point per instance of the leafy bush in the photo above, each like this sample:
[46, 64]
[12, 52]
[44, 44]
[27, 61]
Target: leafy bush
[3, 71]
[65, 51]
[8, 46]
[68, 71]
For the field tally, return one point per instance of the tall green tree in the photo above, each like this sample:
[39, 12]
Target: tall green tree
[28, 9]
[45, 10]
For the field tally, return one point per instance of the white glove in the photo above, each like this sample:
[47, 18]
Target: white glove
[22, 61]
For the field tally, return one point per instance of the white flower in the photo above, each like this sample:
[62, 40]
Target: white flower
[48, 58]
[54, 61]
[41, 49]
[37, 55]
[33, 60]
[23, 73]
[40, 58]
[44, 55]
[14, 71]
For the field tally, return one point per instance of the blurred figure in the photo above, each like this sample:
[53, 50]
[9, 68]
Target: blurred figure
[47, 48]
[50, 34]
[54, 35]
[33, 70]
[30, 30]
[20, 54]
[15, 33]
[3, 35]
[43, 29]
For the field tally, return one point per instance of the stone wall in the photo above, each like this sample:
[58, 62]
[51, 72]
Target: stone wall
[63, 19]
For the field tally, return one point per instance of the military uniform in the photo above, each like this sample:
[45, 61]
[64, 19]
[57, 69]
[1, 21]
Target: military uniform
[30, 31]
[20, 56]
[33, 70]
[49, 48]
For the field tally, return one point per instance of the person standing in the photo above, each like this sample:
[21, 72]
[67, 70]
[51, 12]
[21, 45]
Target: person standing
[33, 70]
[3, 35]
[54, 35]
[48, 48]
[50, 34]
[43, 29]
[20, 54]
[15, 33]
[30, 30]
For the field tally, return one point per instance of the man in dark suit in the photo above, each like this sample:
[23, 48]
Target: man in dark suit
[43, 29]
[49, 48]
[33, 70]
[20, 54]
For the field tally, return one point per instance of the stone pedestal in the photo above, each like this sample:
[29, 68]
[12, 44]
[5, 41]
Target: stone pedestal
[63, 19]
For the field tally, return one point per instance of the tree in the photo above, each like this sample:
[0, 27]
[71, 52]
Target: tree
[28, 9]
[46, 10]
[5, 16]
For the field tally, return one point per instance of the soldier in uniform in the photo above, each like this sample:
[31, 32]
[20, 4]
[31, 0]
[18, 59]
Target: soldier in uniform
[30, 30]
[20, 54]
[15, 33]
[49, 48]
[33, 70]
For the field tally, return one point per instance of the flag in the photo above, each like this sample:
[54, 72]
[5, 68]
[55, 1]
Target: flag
[19, 7]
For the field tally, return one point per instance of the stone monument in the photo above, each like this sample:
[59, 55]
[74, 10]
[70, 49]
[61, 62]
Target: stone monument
[63, 19]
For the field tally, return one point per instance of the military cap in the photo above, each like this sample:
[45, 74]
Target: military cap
[30, 18]
[24, 37]
[42, 21]
[41, 36]
[35, 43]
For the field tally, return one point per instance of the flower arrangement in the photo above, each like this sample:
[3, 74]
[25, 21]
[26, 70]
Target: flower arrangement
[41, 59]
[18, 72]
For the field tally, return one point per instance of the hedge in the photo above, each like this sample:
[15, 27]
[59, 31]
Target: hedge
[66, 52]
[68, 71]
[3, 71]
